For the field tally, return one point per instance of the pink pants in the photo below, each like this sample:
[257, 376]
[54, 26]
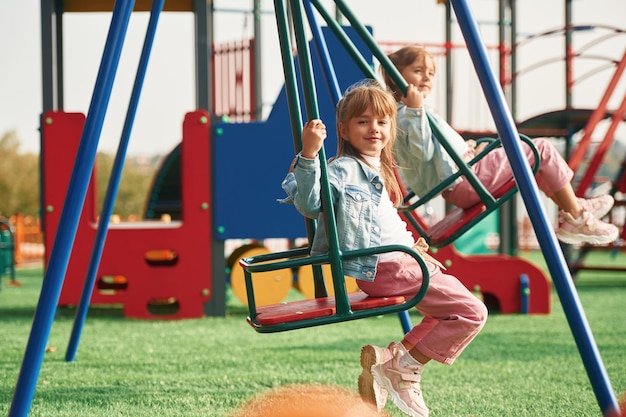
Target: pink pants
[494, 171]
[453, 316]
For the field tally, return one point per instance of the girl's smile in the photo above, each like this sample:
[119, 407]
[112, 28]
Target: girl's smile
[368, 133]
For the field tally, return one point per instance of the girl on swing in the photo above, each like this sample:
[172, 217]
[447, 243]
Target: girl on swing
[423, 163]
[365, 195]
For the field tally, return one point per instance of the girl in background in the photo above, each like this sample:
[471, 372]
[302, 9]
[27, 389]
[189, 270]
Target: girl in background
[424, 164]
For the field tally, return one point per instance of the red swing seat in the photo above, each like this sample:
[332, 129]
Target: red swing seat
[318, 307]
[458, 221]
[322, 309]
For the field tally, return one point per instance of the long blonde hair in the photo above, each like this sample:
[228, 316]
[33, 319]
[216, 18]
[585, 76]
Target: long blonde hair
[401, 59]
[357, 99]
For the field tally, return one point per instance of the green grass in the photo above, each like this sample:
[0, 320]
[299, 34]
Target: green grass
[517, 366]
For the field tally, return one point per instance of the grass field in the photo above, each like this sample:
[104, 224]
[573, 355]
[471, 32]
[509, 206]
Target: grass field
[517, 366]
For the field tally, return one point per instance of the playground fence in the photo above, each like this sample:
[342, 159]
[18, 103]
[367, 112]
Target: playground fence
[233, 80]
[29, 247]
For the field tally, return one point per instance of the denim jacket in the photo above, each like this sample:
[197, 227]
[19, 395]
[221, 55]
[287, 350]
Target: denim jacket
[356, 192]
[422, 162]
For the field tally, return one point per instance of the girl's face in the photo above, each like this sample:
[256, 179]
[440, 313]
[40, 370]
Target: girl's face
[420, 73]
[367, 133]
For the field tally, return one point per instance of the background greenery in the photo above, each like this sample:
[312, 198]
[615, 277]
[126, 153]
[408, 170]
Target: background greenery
[517, 366]
[19, 180]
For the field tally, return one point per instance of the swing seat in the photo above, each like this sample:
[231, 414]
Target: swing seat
[318, 307]
[458, 221]
[324, 309]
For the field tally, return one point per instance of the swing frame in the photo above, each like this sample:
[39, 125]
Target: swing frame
[324, 309]
[458, 221]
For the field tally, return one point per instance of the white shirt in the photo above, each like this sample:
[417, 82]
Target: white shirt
[393, 229]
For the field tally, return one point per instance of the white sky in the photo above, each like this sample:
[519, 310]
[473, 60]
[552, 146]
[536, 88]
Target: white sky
[168, 91]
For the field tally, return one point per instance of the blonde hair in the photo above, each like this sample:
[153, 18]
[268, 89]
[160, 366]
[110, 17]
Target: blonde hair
[401, 59]
[357, 99]
[308, 400]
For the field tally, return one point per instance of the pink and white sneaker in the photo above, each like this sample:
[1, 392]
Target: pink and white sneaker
[585, 229]
[402, 384]
[369, 389]
[598, 206]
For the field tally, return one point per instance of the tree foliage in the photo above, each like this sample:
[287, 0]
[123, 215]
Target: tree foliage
[134, 187]
[19, 180]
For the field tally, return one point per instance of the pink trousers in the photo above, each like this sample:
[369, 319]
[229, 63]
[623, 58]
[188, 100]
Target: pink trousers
[453, 316]
[494, 171]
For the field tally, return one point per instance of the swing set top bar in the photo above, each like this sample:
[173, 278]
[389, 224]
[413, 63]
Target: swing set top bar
[140, 5]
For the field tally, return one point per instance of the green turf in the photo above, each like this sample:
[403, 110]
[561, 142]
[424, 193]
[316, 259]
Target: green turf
[517, 366]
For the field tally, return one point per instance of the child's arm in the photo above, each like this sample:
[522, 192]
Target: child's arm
[302, 184]
[414, 133]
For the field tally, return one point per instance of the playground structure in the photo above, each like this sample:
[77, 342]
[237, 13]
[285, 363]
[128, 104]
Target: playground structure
[227, 140]
[502, 295]
[224, 227]
[152, 268]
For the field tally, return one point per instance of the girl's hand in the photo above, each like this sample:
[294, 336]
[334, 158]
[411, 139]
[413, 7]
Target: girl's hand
[313, 135]
[413, 98]
[479, 148]
[473, 149]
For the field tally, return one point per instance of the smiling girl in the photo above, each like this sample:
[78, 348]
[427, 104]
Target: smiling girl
[365, 195]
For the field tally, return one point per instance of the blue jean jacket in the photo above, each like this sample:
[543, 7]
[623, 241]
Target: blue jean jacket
[356, 192]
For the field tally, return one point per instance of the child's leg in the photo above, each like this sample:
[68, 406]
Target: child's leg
[554, 174]
[397, 276]
[453, 316]
[567, 201]
[494, 170]
[579, 219]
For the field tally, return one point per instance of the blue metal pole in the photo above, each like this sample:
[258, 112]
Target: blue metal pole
[530, 194]
[68, 223]
[524, 290]
[114, 182]
[323, 56]
[405, 321]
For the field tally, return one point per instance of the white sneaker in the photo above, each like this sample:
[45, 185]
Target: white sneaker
[402, 384]
[585, 229]
[369, 389]
[598, 206]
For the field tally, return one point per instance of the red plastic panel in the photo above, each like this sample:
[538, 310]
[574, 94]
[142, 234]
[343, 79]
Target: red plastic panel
[187, 281]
